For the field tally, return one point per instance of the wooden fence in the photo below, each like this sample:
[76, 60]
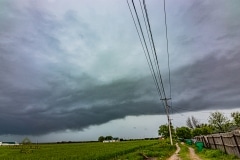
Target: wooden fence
[226, 142]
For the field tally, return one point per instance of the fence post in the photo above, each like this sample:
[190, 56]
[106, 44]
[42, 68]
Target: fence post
[223, 144]
[202, 140]
[205, 142]
[214, 142]
[234, 136]
[209, 144]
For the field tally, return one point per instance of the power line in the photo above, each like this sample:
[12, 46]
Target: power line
[157, 66]
[184, 109]
[156, 58]
[158, 81]
[156, 74]
[177, 112]
[170, 87]
[150, 42]
[159, 74]
[169, 75]
[148, 29]
[140, 39]
[169, 72]
[146, 54]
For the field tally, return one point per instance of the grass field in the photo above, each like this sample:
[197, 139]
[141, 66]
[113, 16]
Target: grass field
[88, 151]
[205, 154]
[210, 154]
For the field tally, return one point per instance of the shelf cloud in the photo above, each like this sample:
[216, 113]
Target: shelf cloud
[71, 65]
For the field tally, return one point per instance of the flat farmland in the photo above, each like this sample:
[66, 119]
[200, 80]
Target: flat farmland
[88, 151]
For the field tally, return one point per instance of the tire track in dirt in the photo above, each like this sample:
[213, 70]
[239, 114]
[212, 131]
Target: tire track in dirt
[175, 155]
[193, 155]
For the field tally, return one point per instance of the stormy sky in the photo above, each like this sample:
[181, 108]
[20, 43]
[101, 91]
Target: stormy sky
[76, 65]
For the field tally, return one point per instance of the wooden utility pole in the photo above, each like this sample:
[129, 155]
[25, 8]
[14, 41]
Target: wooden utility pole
[168, 118]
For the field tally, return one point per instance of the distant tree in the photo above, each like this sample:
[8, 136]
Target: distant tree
[195, 122]
[164, 131]
[204, 129]
[219, 122]
[189, 123]
[108, 138]
[197, 132]
[183, 132]
[192, 122]
[26, 140]
[236, 118]
[101, 139]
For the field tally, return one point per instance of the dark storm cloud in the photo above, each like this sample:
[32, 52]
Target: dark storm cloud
[35, 114]
[71, 72]
[210, 83]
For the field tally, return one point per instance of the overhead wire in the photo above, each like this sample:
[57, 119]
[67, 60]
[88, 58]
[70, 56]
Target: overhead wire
[147, 56]
[177, 112]
[156, 73]
[180, 110]
[145, 43]
[140, 38]
[149, 36]
[169, 72]
[146, 27]
[156, 58]
[166, 106]
[150, 42]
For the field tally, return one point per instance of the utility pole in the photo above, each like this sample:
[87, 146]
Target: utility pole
[168, 118]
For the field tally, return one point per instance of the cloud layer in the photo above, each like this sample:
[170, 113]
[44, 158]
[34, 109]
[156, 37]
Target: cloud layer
[75, 66]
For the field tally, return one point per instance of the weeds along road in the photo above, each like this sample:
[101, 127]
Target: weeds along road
[175, 156]
[191, 154]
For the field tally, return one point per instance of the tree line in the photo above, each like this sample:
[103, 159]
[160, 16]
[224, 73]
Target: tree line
[102, 138]
[217, 123]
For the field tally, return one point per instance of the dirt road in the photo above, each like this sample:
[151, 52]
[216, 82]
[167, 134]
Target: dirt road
[175, 155]
[192, 154]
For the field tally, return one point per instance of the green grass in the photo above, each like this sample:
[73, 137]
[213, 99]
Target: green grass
[205, 154]
[184, 152]
[87, 151]
[161, 150]
[210, 154]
